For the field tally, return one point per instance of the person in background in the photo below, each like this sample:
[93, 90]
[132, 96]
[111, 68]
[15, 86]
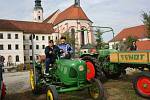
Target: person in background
[133, 47]
[65, 48]
[51, 52]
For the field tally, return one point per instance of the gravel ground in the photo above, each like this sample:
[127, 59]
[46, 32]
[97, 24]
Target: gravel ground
[18, 88]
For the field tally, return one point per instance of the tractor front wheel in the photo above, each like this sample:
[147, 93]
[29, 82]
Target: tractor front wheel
[33, 81]
[141, 84]
[51, 93]
[96, 91]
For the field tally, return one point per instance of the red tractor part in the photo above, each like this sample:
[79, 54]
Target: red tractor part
[90, 70]
[141, 84]
[93, 51]
[3, 90]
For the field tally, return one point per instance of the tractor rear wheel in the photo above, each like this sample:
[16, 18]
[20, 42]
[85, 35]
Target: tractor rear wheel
[51, 93]
[33, 81]
[94, 69]
[141, 84]
[96, 91]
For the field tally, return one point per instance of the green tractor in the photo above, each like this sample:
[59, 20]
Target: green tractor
[106, 69]
[90, 53]
[66, 75]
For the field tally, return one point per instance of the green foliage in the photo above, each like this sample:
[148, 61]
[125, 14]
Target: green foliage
[20, 67]
[70, 38]
[28, 67]
[129, 41]
[99, 39]
[146, 21]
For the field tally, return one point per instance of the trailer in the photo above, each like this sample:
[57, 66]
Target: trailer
[139, 60]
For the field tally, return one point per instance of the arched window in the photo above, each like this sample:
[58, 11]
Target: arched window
[39, 17]
[82, 36]
[17, 58]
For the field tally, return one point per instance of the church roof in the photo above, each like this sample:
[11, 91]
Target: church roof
[138, 32]
[25, 26]
[48, 18]
[72, 13]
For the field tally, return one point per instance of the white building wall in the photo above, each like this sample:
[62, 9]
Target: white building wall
[39, 42]
[112, 43]
[13, 52]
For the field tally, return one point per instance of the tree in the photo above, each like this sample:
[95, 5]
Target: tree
[146, 21]
[129, 41]
[99, 39]
[69, 38]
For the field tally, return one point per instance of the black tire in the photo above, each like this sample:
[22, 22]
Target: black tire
[135, 81]
[99, 73]
[51, 93]
[97, 87]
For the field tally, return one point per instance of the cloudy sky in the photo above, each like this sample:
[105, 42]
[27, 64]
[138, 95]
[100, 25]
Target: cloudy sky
[117, 14]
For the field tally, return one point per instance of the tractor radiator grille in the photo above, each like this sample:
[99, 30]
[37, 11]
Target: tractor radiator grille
[73, 73]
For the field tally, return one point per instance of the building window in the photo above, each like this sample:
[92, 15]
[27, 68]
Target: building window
[16, 36]
[43, 37]
[43, 46]
[9, 36]
[24, 37]
[1, 35]
[37, 46]
[17, 58]
[37, 38]
[49, 37]
[1, 47]
[30, 47]
[37, 57]
[24, 47]
[82, 36]
[31, 58]
[17, 46]
[56, 38]
[25, 58]
[30, 37]
[39, 17]
[9, 47]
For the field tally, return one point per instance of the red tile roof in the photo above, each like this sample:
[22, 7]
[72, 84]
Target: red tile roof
[71, 13]
[27, 27]
[48, 18]
[138, 32]
[143, 45]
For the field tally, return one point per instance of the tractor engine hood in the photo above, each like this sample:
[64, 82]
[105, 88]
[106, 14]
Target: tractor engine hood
[71, 72]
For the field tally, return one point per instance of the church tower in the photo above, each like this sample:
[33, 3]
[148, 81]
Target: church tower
[38, 12]
[77, 3]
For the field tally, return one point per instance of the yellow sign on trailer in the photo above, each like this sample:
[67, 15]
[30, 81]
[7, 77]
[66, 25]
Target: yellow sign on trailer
[131, 57]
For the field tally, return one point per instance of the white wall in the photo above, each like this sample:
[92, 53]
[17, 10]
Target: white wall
[36, 13]
[13, 52]
[40, 42]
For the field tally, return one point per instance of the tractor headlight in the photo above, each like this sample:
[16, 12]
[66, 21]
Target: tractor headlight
[81, 68]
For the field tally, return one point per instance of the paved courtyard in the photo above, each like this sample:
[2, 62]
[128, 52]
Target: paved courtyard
[18, 88]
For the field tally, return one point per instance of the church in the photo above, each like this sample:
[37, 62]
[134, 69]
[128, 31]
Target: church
[15, 41]
[72, 20]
